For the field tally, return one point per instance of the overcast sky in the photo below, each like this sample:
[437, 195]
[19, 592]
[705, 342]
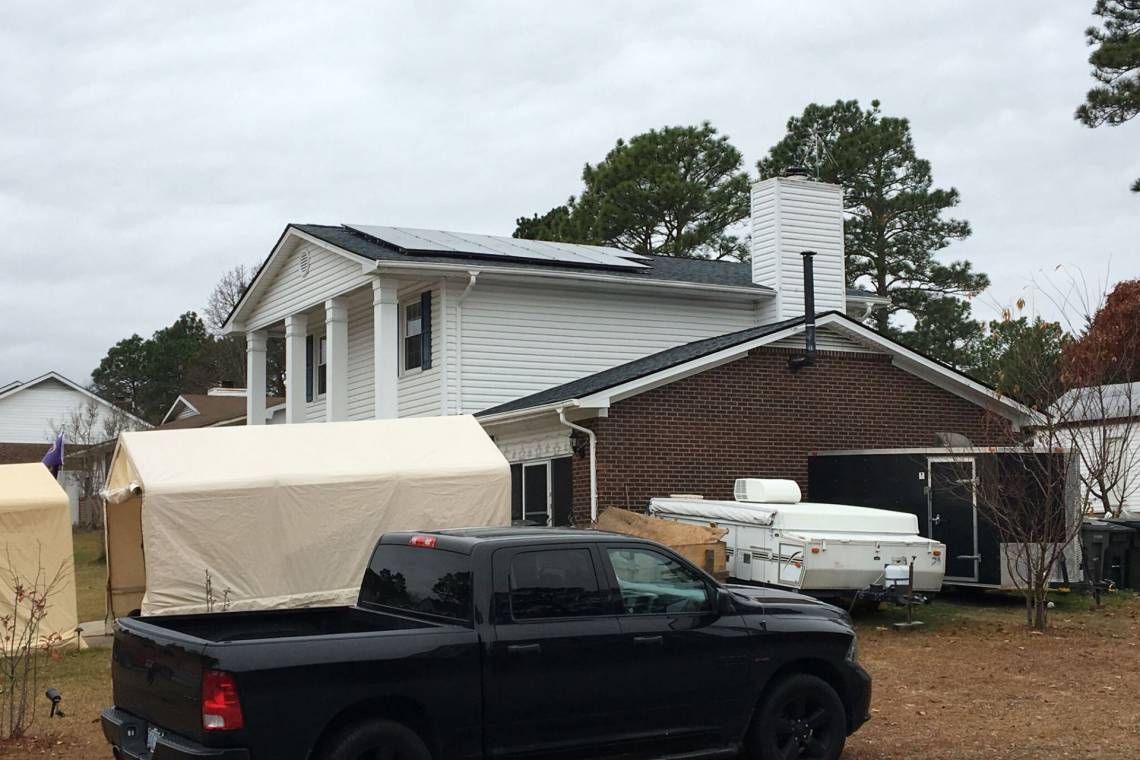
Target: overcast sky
[147, 147]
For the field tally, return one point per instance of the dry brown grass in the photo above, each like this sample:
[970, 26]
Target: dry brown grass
[977, 684]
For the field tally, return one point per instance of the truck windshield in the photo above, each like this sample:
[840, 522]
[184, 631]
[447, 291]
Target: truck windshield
[421, 580]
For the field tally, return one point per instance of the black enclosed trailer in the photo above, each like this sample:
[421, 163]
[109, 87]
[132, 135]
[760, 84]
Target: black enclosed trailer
[940, 486]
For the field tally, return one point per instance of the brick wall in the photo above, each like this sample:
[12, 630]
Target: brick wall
[756, 418]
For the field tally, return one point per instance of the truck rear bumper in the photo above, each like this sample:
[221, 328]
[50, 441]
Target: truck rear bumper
[127, 734]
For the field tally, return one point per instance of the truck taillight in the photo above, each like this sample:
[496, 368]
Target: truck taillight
[221, 709]
[428, 542]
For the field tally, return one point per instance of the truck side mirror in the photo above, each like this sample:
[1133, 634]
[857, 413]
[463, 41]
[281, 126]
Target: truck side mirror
[724, 603]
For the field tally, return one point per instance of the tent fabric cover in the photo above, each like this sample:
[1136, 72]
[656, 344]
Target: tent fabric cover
[35, 543]
[285, 515]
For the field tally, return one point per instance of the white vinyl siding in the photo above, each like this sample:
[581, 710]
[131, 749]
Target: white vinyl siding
[1129, 443]
[518, 338]
[288, 290]
[27, 415]
[825, 340]
[790, 216]
[361, 367]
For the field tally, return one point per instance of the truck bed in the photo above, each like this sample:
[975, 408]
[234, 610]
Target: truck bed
[280, 624]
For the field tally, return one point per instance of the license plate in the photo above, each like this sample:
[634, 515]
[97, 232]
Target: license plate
[152, 737]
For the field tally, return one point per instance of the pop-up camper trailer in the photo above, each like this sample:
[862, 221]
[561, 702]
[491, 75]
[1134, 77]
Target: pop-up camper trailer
[827, 550]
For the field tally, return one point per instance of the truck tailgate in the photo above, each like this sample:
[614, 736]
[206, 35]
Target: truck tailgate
[157, 675]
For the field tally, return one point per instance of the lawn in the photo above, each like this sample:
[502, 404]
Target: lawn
[973, 683]
[90, 574]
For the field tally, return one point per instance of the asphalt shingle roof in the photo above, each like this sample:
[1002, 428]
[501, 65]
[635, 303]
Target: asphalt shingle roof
[638, 368]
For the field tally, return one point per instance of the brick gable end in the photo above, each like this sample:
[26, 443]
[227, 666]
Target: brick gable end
[755, 417]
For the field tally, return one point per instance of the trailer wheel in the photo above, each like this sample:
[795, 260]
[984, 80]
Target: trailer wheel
[376, 739]
[802, 717]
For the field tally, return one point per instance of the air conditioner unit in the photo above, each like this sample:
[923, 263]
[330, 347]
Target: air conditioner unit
[766, 491]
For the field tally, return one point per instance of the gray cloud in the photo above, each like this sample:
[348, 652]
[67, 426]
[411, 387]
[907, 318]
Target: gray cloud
[144, 149]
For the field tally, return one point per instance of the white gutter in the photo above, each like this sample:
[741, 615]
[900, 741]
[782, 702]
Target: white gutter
[593, 459]
[472, 274]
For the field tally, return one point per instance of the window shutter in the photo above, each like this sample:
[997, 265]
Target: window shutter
[425, 330]
[308, 367]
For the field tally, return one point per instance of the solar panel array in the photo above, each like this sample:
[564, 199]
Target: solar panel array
[464, 244]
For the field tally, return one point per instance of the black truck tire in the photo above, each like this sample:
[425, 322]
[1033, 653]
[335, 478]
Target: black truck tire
[376, 740]
[801, 717]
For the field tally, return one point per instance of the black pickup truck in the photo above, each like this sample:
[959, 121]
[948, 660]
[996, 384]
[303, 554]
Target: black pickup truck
[497, 642]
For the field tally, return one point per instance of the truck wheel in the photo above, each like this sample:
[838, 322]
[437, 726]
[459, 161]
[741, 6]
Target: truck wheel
[802, 717]
[376, 740]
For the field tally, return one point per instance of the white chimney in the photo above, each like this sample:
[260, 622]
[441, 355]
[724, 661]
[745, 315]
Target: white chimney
[792, 214]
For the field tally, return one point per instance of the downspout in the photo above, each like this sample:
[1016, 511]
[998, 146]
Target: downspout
[593, 460]
[472, 275]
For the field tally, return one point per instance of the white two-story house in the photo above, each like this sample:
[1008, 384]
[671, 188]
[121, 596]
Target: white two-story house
[386, 322]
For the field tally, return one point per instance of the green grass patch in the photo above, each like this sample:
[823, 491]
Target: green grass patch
[958, 608]
[90, 574]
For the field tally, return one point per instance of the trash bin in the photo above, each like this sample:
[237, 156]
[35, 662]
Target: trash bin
[1106, 548]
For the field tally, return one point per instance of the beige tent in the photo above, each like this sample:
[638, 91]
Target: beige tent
[35, 547]
[285, 515]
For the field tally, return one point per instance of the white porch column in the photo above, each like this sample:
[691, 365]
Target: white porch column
[386, 350]
[296, 329]
[255, 377]
[336, 360]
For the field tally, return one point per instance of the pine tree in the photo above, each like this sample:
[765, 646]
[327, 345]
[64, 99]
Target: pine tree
[895, 223]
[669, 192]
[1116, 66]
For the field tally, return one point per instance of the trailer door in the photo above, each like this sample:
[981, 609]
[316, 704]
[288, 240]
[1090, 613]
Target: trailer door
[954, 515]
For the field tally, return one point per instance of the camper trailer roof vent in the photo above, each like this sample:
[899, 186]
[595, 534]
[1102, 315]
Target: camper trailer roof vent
[766, 491]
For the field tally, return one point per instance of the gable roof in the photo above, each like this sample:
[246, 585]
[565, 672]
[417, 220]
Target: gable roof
[211, 410]
[11, 389]
[665, 366]
[718, 274]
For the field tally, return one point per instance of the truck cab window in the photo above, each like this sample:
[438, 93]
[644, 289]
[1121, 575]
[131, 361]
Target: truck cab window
[554, 584]
[652, 583]
[428, 581]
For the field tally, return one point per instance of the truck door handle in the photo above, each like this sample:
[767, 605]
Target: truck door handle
[648, 640]
[524, 648]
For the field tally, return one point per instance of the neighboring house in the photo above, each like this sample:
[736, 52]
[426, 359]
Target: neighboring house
[1105, 425]
[30, 414]
[218, 407]
[656, 357]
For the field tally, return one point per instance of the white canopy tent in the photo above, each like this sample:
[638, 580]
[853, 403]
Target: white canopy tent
[36, 551]
[285, 515]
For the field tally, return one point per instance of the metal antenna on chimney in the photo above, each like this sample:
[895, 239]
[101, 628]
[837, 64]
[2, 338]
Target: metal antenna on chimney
[817, 149]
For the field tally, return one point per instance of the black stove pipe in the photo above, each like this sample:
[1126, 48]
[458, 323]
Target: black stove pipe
[808, 358]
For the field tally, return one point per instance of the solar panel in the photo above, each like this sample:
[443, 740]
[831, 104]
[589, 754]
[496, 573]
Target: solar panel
[493, 246]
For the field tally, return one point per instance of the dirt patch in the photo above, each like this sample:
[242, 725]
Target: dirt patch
[976, 684]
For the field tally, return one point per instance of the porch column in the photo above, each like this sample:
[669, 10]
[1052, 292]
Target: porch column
[386, 348]
[336, 360]
[296, 330]
[255, 377]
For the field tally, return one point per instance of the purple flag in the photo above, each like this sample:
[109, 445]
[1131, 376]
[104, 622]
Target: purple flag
[53, 460]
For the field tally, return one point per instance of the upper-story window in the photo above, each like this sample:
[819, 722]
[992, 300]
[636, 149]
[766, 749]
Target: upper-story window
[415, 333]
[322, 359]
[413, 329]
